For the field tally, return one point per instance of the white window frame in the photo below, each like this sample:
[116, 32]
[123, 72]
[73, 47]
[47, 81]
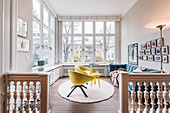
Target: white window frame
[83, 35]
[49, 29]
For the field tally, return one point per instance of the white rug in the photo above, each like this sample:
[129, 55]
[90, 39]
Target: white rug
[94, 93]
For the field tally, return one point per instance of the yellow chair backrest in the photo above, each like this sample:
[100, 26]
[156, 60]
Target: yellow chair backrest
[79, 78]
[83, 70]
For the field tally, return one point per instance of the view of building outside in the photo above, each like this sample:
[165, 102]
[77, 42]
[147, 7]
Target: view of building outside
[85, 48]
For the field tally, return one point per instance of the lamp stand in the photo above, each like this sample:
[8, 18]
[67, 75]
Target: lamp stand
[161, 27]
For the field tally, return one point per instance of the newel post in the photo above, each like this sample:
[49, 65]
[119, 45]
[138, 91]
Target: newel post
[123, 92]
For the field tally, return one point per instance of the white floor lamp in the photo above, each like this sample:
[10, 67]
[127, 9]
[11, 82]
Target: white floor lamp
[160, 24]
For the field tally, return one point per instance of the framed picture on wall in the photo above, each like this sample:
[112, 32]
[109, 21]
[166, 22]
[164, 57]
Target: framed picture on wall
[143, 46]
[133, 54]
[150, 58]
[140, 57]
[153, 43]
[153, 51]
[148, 52]
[22, 27]
[160, 41]
[145, 57]
[148, 45]
[165, 50]
[165, 59]
[158, 50]
[157, 58]
[142, 52]
[22, 44]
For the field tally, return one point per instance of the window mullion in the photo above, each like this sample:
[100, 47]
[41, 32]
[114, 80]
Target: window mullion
[83, 37]
[115, 49]
[104, 42]
[94, 42]
[72, 42]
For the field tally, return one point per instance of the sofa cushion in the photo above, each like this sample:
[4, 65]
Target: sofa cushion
[130, 68]
[113, 67]
[137, 70]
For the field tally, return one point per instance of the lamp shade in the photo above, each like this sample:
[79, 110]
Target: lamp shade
[153, 24]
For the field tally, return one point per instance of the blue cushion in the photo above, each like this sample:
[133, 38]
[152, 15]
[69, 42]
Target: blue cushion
[113, 67]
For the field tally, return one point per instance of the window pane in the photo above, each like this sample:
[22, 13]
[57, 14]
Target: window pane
[88, 27]
[77, 49]
[52, 50]
[77, 27]
[66, 27]
[37, 8]
[99, 27]
[52, 22]
[45, 16]
[88, 49]
[110, 27]
[66, 49]
[45, 44]
[36, 42]
[110, 45]
[99, 49]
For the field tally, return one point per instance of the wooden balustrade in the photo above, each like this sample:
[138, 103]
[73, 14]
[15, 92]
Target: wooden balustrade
[152, 92]
[26, 93]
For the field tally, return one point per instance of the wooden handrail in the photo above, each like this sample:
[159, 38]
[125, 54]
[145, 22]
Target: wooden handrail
[162, 80]
[25, 88]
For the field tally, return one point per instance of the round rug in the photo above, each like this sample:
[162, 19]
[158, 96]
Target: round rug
[94, 93]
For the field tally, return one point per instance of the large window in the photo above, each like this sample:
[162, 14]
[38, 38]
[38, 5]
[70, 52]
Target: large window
[43, 34]
[88, 42]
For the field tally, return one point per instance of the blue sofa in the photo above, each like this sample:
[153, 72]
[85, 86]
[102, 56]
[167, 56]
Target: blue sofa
[130, 68]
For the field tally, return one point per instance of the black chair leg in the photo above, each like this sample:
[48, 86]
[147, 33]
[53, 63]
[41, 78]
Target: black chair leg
[83, 86]
[72, 86]
[72, 91]
[83, 91]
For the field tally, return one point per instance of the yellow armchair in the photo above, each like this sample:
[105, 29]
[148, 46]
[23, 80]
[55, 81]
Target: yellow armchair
[78, 79]
[83, 70]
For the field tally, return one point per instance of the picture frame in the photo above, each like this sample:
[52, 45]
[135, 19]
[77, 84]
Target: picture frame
[142, 52]
[140, 57]
[165, 50]
[148, 52]
[143, 46]
[157, 58]
[153, 43]
[145, 57]
[158, 51]
[22, 28]
[153, 51]
[165, 59]
[148, 45]
[23, 44]
[133, 54]
[150, 58]
[160, 41]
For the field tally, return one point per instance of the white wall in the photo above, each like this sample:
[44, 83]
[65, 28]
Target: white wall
[24, 59]
[133, 30]
[4, 45]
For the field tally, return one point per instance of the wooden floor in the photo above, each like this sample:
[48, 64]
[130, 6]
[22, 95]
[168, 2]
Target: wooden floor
[60, 105]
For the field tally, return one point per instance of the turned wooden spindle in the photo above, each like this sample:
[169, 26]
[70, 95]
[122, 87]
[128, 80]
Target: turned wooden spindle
[152, 96]
[159, 96]
[133, 96]
[165, 97]
[146, 96]
[140, 110]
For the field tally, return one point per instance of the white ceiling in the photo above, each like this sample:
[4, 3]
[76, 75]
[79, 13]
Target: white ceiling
[90, 7]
